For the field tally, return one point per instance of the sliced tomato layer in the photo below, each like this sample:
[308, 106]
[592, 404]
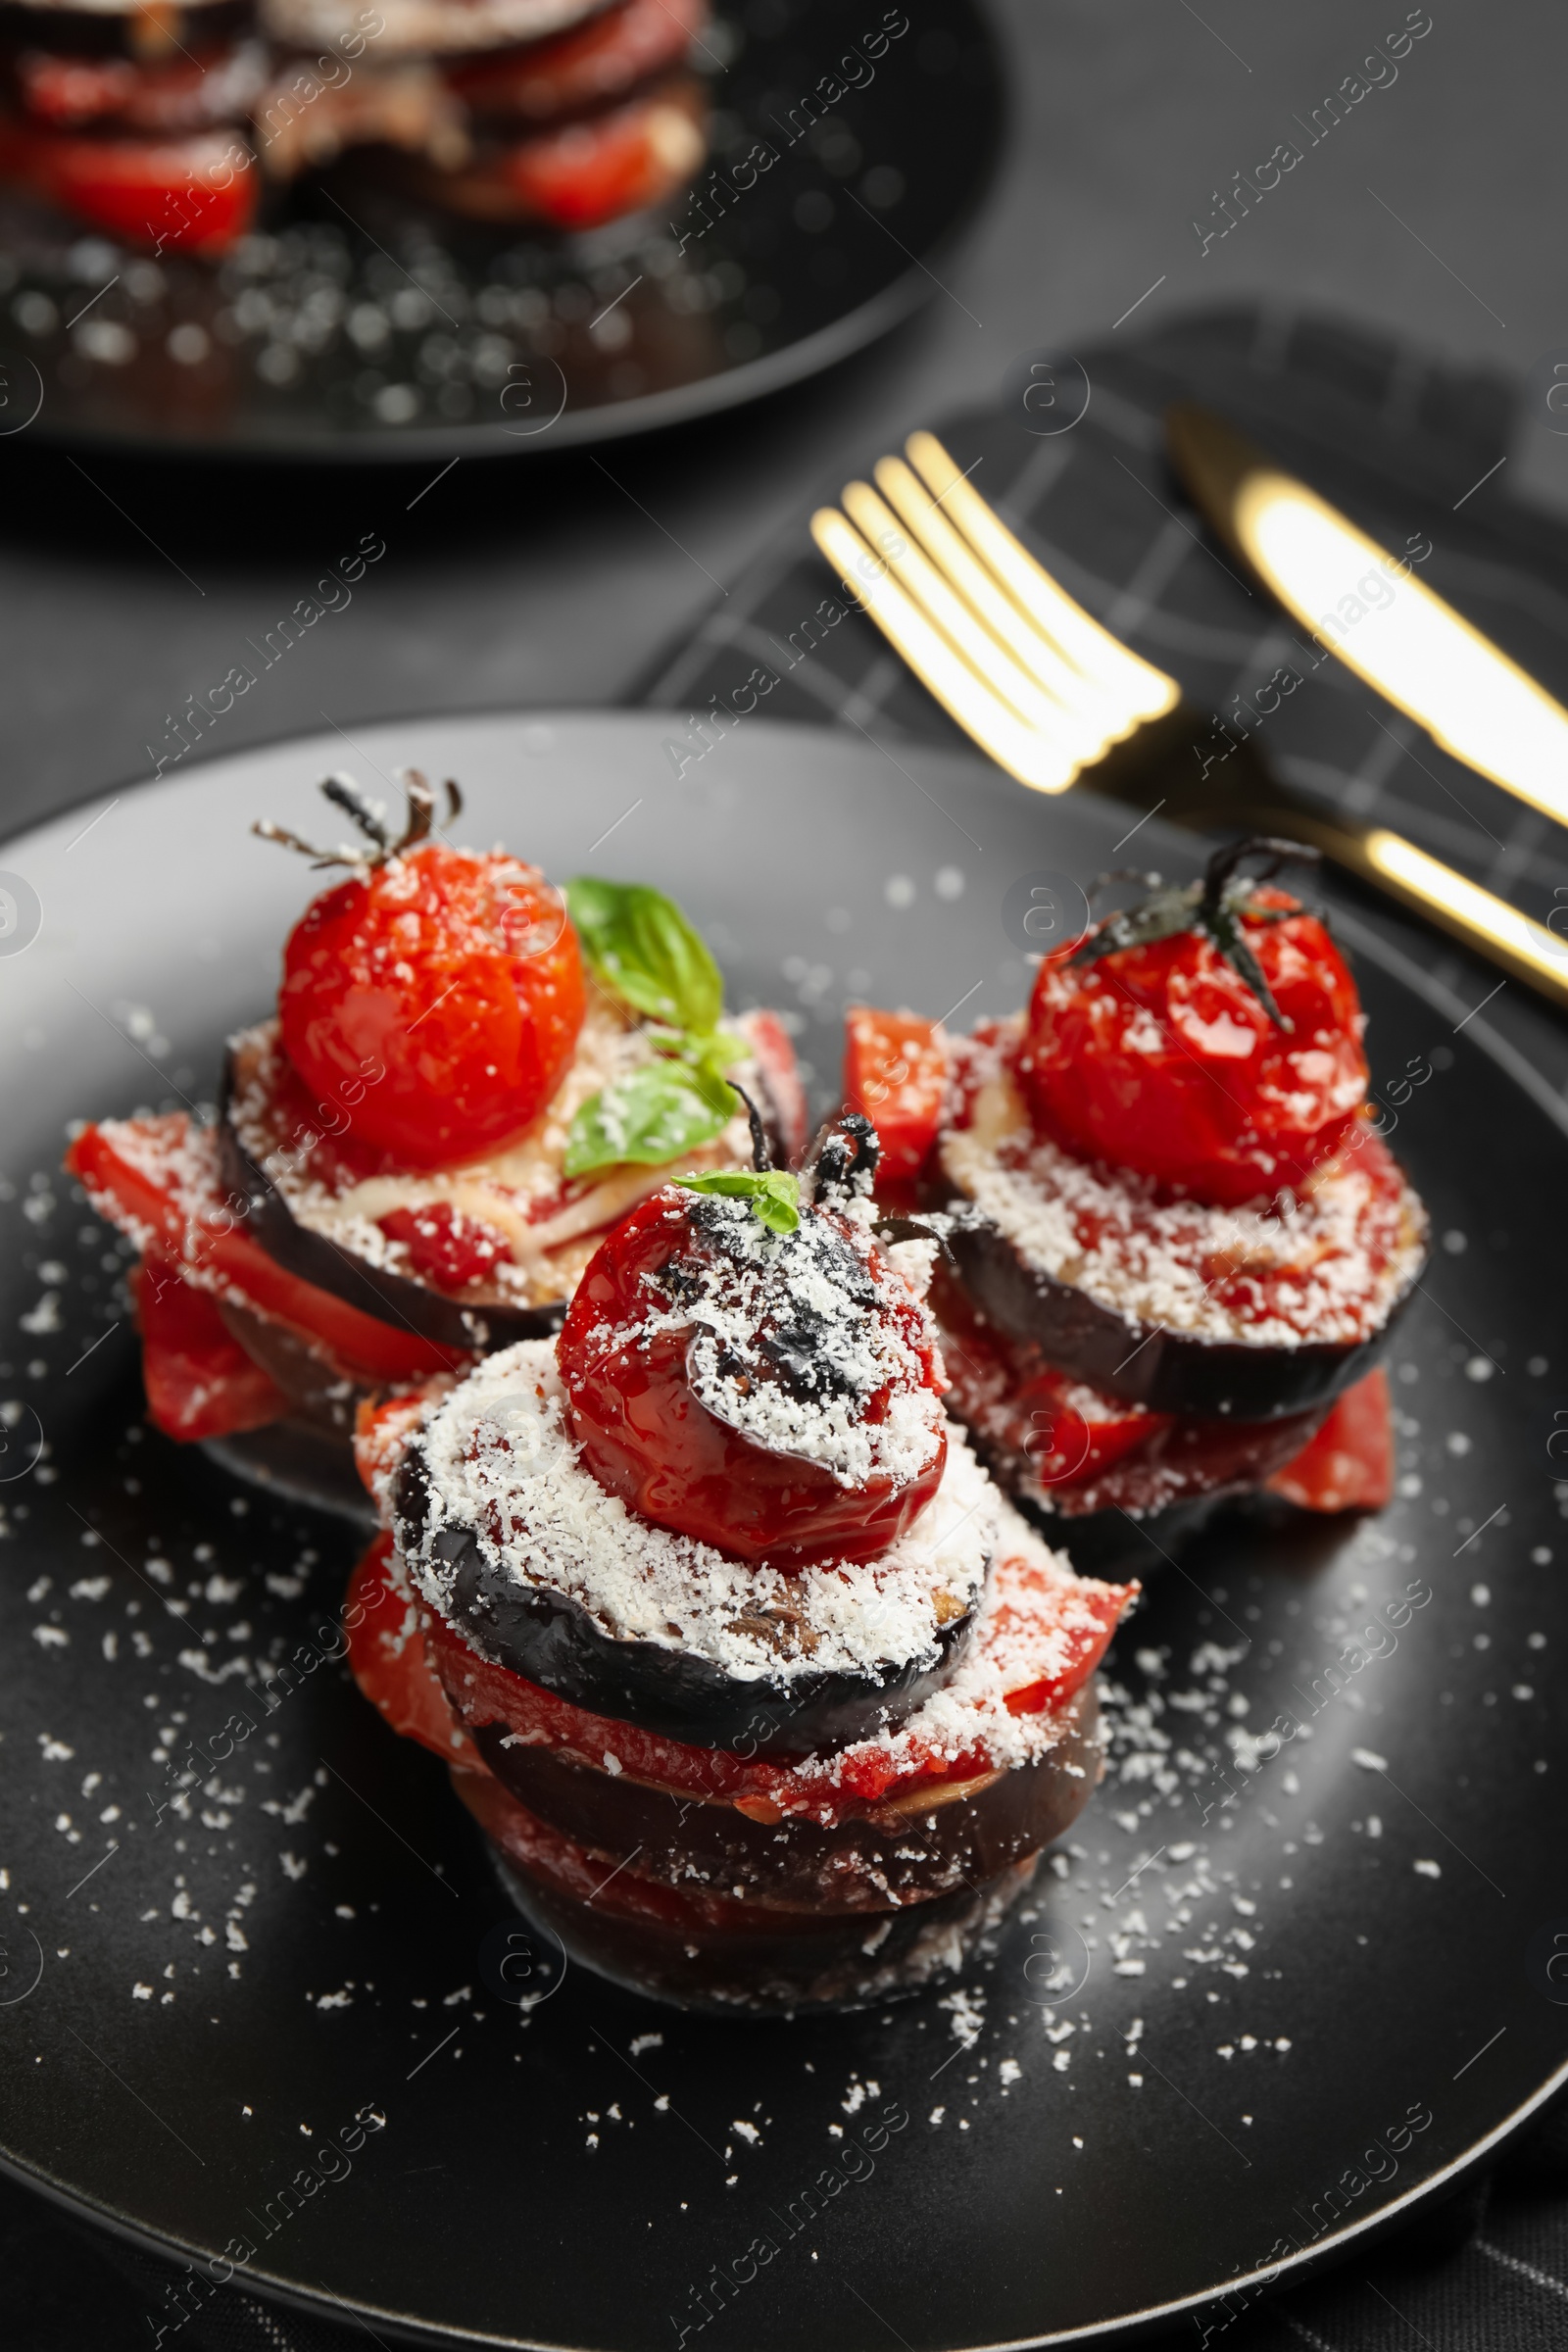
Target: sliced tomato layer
[1041, 1635]
[1080, 1450]
[200, 1382]
[598, 61]
[1349, 1465]
[190, 91]
[586, 172]
[896, 1074]
[389, 1661]
[197, 194]
[157, 1180]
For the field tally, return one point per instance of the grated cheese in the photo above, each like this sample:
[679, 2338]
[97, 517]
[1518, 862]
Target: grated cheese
[502, 1463]
[551, 1225]
[1326, 1266]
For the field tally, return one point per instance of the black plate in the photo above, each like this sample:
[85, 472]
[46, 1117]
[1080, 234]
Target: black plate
[568, 2174]
[499, 343]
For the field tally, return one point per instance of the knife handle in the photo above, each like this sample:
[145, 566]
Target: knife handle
[1241, 792]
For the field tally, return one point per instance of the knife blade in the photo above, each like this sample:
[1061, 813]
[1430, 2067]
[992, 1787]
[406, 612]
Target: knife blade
[1367, 607]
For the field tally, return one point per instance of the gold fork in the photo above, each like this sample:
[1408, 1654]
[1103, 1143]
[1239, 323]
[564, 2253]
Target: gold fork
[1057, 700]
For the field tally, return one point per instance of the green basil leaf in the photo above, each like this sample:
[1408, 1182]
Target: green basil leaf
[774, 1193]
[705, 1057]
[654, 1115]
[641, 948]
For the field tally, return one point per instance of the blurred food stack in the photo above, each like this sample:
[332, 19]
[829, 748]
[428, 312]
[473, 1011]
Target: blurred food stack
[130, 116]
[168, 124]
[561, 112]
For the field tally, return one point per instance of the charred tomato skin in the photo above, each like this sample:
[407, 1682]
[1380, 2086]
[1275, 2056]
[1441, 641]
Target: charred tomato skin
[645, 1437]
[1160, 1059]
[459, 978]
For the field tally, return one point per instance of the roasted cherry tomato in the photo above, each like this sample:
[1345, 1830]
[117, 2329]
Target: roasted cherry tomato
[631, 1345]
[1349, 1465]
[460, 975]
[200, 1383]
[610, 53]
[896, 1071]
[197, 194]
[1162, 1056]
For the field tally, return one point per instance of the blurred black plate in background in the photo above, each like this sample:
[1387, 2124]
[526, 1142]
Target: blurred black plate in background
[398, 334]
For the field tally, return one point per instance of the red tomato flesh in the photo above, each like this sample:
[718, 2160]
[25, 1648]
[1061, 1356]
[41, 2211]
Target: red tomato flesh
[200, 1382]
[192, 90]
[157, 1180]
[645, 1436]
[1088, 1451]
[389, 1661]
[896, 1074]
[1161, 1059]
[446, 1247]
[1349, 1465]
[460, 975]
[589, 173]
[196, 194]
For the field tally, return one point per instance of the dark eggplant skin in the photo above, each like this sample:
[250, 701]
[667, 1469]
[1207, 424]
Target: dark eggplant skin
[745, 1961]
[1119, 1545]
[891, 1854]
[91, 31]
[551, 1640]
[777, 1965]
[302, 1463]
[394, 1298]
[1143, 1362]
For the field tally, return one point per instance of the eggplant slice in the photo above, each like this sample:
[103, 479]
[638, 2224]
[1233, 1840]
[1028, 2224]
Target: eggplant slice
[942, 1837]
[299, 1462]
[374, 1289]
[728, 1959]
[1147, 1364]
[551, 1639]
[482, 1323]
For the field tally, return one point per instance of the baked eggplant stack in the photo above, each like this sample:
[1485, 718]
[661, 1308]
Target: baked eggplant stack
[470, 1076]
[133, 120]
[565, 114]
[765, 1697]
[1176, 1243]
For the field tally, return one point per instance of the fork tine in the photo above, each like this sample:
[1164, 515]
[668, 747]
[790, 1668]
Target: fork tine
[1028, 644]
[1081, 638]
[991, 663]
[1025, 754]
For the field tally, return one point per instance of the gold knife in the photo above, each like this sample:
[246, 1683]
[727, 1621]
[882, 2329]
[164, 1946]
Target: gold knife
[1368, 609]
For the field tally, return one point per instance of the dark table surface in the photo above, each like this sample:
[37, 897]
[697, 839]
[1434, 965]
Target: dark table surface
[1432, 213]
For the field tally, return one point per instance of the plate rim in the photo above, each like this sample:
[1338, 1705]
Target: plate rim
[1506, 1056]
[1290, 2272]
[1295, 2272]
